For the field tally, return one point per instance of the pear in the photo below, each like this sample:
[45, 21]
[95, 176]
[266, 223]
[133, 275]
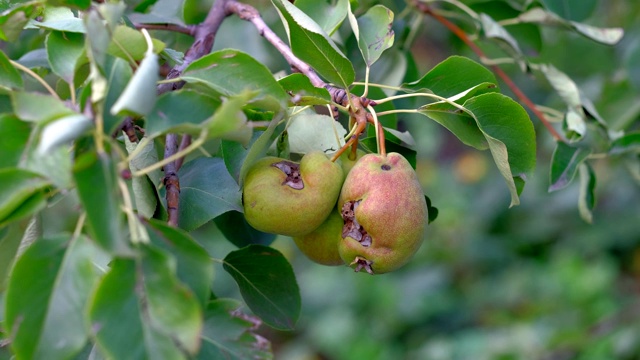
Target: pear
[289, 198]
[384, 212]
[321, 245]
[348, 160]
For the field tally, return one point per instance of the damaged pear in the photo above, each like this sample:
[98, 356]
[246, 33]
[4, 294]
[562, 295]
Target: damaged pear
[384, 214]
[321, 245]
[289, 198]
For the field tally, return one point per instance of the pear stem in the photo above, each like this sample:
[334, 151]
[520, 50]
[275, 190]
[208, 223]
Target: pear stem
[353, 140]
[372, 117]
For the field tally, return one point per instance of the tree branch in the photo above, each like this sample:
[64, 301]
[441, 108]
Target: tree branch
[187, 30]
[204, 37]
[355, 105]
[456, 30]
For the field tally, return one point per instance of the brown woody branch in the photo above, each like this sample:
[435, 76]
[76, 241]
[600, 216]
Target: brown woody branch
[204, 37]
[356, 105]
[187, 30]
[456, 30]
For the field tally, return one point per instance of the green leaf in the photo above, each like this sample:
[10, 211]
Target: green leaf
[328, 16]
[18, 188]
[129, 44]
[62, 131]
[65, 52]
[234, 154]
[373, 31]
[229, 122]
[267, 284]
[229, 336]
[303, 92]
[390, 69]
[628, 143]
[453, 76]
[13, 20]
[231, 72]
[118, 73]
[206, 191]
[139, 97]
[309, 131]
[587, 199]
[74, 4]
[95, 177]
[173, 308]
[432, 210]
[10, 238]
[632, 64]
[56, 165]
[313, 46]
[493, 30]
[38, 107]
[144, 188]
[564, 164]
[607, 36]
[579, 108]
[120, 326]
[237, 230]
[194, 267]
[259, 147]
[181, 111]
[58, 19]
[46, 297]
[10, 78]
[577, 10]
[510, 135]
[97, 38]
[461, 124]
[12, 147]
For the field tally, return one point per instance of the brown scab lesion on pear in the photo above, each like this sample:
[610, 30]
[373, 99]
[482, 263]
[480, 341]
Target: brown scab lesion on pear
[321, 245]
[289, 198]
[384, 214]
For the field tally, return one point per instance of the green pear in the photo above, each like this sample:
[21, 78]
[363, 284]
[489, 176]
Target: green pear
[321, 245]
[384, 212]
[289, 198]
[348, 160]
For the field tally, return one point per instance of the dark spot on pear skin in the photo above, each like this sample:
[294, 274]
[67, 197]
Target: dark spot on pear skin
[351, 226]
[386, 167]
[292, 170]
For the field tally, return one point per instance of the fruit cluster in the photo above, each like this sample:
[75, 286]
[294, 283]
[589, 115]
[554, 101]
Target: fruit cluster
[369, 212]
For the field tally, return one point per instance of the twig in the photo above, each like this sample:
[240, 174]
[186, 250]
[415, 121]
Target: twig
[187, 30]
[356, 105]
[129, 129]
[184, 143]
[250, 14]
[171, 180]
[204, 37]
[37, 77]
[426, 9]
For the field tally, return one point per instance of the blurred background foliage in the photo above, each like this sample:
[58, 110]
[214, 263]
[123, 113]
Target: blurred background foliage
[530, 282]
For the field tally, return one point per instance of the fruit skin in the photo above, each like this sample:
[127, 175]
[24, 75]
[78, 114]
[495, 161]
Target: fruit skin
[347, 163]
[321, 245]
[392, 210]
[270, 205]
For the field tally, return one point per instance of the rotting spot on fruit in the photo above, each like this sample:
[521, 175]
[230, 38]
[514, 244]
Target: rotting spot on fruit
[386, 167]
[362, 263]
[351, 226]
[292, 170]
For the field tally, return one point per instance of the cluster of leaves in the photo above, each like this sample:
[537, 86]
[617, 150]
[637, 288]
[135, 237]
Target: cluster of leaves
[117, 281]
